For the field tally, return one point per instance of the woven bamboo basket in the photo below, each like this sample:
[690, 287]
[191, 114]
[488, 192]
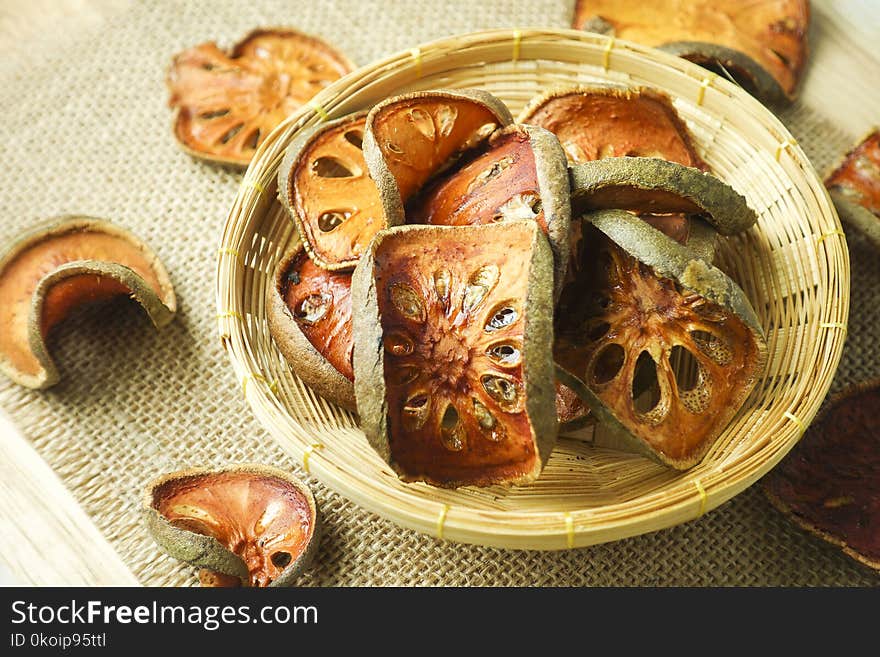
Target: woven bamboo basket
[793, 266]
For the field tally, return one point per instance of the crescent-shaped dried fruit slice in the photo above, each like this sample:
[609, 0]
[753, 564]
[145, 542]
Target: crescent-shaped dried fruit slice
[253, 522]
[413, 137]
[326, 188]
[226, 104]
[453, 364]
[854, 185]
[655, 186]
[829, 483]
[309, 314]
[761, 43]
[668, 347]
[520, 173]
[61, 265]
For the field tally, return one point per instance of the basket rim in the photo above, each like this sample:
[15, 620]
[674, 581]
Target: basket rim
[688, 497]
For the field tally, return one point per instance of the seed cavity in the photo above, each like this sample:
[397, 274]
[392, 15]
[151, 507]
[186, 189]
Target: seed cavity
[598, 331]
[520, 207]
[415, 411]
[332, 167]
[229, 134]
[452, 430]
[216, 114]
[313, 307]
[442, 283]
[503, 390]
[479, 285]
[490, 172]
[646, 393]
[423, 122]
[506, 354]
[394, 148]
[407, 302]
[355, 138]
[404, 375]
[716, 348]
[398, 344]
[332, 219]
[503, 316]
[607, 364]
[281, 559]
[446, 116]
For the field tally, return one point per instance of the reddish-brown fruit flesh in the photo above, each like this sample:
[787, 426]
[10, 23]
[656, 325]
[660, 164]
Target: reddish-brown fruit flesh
[484, 189]
[616, 311]
[568, 405]
[213, 579]
[772, 32]
[419, 136]
[339, 207]
[22, 275]
[264, 520]
[309, 291]
[228, 103]
[858, 177]
[447, 351]
[830, 481]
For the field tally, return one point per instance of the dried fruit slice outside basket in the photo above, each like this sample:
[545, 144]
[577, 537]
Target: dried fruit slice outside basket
[253, 522]
[226, 104]
[761, 44]
[326, 188]
[829, 483]
[643, 302]
[519, 173]
[413, 137]
[63, 264]
[453, 363]
[854, 186]
[309, 315]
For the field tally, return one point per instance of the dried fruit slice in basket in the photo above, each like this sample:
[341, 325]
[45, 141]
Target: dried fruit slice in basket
[309, 314]
[326, 188]
[855, 187]
[761, 45]
[253, 522]
[226, 104]
[453, 366]
[668, 347]
[520, 173]
[829, 483]
[413, 137]
[61, 265]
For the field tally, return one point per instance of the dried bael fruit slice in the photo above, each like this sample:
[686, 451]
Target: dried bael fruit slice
[309, 313]
[655, 186]
[520, 173]
[326, 188]
[413, 137]
[453, 366]
[829, 484]
[253, 522]
[762, 44]
[667, 345]
[227, 103]
[59, 266]
[855, 187]
[593, 123]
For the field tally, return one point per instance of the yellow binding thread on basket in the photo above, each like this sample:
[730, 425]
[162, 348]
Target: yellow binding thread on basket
[320, 111]
[441, 520]
[416, 54]
[703, 497]
[517, 37]
[705, 84]
[308, 454]
[229, 251]
[832, 233]
[783, 145]
[273, 385]
[833, 325]
[246, 182]
[802, 428]
[230, 313]
[569, 530]
[606, 54]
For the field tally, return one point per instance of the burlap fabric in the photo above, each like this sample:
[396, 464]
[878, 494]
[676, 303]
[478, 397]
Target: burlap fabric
[85, 130]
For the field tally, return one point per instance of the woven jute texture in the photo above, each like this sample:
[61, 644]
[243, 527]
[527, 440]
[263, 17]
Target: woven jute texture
[86, 130]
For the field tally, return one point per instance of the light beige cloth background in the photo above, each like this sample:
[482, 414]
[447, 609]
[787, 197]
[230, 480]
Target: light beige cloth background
[85, 129]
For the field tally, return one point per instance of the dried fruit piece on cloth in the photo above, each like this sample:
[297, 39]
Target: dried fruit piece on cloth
[762, 44]
[309, 314]
[253, 522]
[326, 188]
[453, 365]
[519, 173]
[60, 265]
[668, 347]
[413, 137]
[854, 185]
[226, 104]
[829, 483]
